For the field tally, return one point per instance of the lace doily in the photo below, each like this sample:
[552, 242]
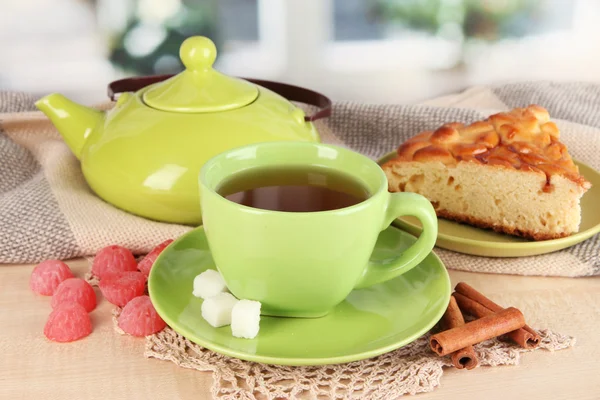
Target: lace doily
[409, 370]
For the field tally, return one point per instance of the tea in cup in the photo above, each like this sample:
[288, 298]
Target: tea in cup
[293, 224]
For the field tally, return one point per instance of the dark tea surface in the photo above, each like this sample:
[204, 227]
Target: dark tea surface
[293, 189]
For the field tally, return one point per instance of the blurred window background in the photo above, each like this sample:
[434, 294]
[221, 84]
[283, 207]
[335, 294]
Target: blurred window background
[385, 51]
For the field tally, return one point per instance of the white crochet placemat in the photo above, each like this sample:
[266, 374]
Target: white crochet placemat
[409, 370]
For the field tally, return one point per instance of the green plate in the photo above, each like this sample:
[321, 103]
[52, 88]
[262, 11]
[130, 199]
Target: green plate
[369, 322]
[482, 242]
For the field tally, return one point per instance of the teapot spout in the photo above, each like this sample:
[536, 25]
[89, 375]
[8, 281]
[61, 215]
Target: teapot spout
[73, 121]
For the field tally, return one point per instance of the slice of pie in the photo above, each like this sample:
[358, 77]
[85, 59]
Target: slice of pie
[509, 173]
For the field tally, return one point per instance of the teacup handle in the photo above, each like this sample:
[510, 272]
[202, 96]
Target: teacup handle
[404, 204]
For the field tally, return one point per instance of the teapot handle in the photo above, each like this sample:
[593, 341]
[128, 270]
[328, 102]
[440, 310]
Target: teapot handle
[290, 92]
[299, 94]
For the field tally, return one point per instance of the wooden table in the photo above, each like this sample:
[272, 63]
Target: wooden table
[108, 366]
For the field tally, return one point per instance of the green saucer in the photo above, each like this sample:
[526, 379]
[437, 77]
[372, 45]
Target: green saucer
[468, 239]
[369, 322]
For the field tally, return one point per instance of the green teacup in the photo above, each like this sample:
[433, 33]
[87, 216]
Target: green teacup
[302, 264]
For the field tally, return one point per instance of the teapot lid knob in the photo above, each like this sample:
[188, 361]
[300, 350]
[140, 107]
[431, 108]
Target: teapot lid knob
[199, 88]
[198, 53]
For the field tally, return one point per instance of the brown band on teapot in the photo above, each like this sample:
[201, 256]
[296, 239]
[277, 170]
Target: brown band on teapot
[290, 92]
[133, 84]
[302, 95]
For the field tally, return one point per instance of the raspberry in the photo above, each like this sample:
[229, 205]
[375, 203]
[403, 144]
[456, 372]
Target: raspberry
[113, 259]
[75, 290]
[47, 275]
[119, 289]
[139, 318]
[146, 264]
[68, 322]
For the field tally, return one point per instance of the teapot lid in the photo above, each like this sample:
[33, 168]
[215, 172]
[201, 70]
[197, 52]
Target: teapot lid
[200, 88]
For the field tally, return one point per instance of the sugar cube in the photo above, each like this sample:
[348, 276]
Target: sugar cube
[245, 318]
[208, 284]
[216, 310]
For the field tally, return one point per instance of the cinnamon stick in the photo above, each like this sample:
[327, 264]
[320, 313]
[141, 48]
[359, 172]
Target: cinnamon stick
[490, 326]
[462, 358]
[525, 337]
[471, 307]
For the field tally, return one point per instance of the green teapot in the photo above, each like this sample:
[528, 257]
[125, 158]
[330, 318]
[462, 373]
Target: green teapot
[144, 154]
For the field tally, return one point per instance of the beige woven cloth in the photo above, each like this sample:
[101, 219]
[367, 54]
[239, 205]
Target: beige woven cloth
[48, 211]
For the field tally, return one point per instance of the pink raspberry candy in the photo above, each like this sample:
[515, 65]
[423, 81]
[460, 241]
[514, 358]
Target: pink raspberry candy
[75, 290]
[47, 275]
[112, 260]
[139, 318]
[68, 322]
[146, 264]
[120, 289]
